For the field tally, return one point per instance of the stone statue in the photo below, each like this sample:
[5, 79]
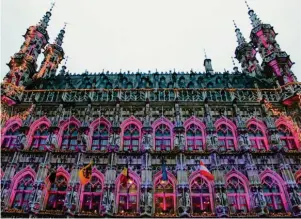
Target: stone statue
[75, 198]
[218, 199]
[187, 199]
[295, 198]
[21, 141]
[117, 140]
[142, 199]
[4, 194]
[147, 141]
[224, 198]
[241, 141]
[52, 140]
[182, 141]
[149, 199]
[111, 200]
[275, 139]
[111, 139]
[39, 195]
[85, 139]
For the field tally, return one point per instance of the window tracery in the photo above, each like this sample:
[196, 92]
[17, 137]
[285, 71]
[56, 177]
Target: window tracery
[162, 138]
[23, 192]
[165, 197]
[71, 138]
[194, 135]
[257, 137]
[226, 138]
[92, 195]
[287, 137]
[200, 195]
[128, 196]
[39, 138]
[273, 194]
[237, 195]
[100, 138]
[131, 138]
[10, 138]
[57, 193]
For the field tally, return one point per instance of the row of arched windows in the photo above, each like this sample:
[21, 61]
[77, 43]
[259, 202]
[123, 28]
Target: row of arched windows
[163, 135]
[164, 195]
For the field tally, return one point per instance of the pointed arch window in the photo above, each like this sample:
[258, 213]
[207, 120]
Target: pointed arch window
[165, 197]
[257, 138]
[57, 193]
[273, 194]
[128, 196]
[10, 137]
[39, 138]
[226, 138]
[92, 195]
[162, 138]
[287, 137]
[131, 138]
[100, 138]
[23, 192]
[194, 137]
[71, 139]
[200, 196]
[237, 195]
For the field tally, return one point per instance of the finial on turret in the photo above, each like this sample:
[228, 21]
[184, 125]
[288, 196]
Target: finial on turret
[247, 5]
[233, 62]
[45, 20]
[205, 54]
[59, 39]
[239, 36]
[255, 21]
[66, 60]
[207, 64]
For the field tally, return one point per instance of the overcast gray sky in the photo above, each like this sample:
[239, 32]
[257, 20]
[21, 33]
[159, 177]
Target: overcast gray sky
[149, 34]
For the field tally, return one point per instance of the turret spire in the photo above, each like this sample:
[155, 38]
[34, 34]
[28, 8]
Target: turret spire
[240, 37]
[45, 20]
[255, 21]
[59, 39]
[207, 64]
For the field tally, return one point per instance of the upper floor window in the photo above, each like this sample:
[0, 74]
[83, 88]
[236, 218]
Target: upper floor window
[10, 137]
[57, 193]
[194, 137]
[257, 138]
[162, 138]
[71, 138]
[23, 192]
[287, 137]
[226, 138]
[128, 196]
[200, 196]
[92, 195]
[131, 138]
[237, 195]
[273, 194]
[165, 197]
[100, 138]
[39, 138]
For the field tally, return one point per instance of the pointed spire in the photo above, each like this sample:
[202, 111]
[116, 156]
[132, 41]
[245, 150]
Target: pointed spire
[240, 38]
[235, 68]
[45, 20]
[255, 21]
[59, 39]
[205, 54]
[207, 64]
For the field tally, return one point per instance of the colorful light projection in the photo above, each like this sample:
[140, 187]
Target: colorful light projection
[21, 115]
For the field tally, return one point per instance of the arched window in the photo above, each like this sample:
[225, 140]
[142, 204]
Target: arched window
[92, 195]
[273, 194]
[10, 137]
[194, 137]
[200, 196]
[57, 193]
[257, 138]
[237, 195]
[131, 138]
[287, 137]
[162, 138]
[226, 138]
[23, 192]
[70, 139]
[39, 138]
[128, 196]
[165, 198]
[100, 138]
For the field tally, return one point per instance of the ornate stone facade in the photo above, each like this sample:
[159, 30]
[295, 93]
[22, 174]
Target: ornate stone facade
[141, 120]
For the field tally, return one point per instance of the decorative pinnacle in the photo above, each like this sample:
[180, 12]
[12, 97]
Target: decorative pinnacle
[247, 5]
[66, 60]
[52, 5]
[205, 54]
[240, 37]
[59, 39]
[233, 61]
[235, 24]
[45, 20]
